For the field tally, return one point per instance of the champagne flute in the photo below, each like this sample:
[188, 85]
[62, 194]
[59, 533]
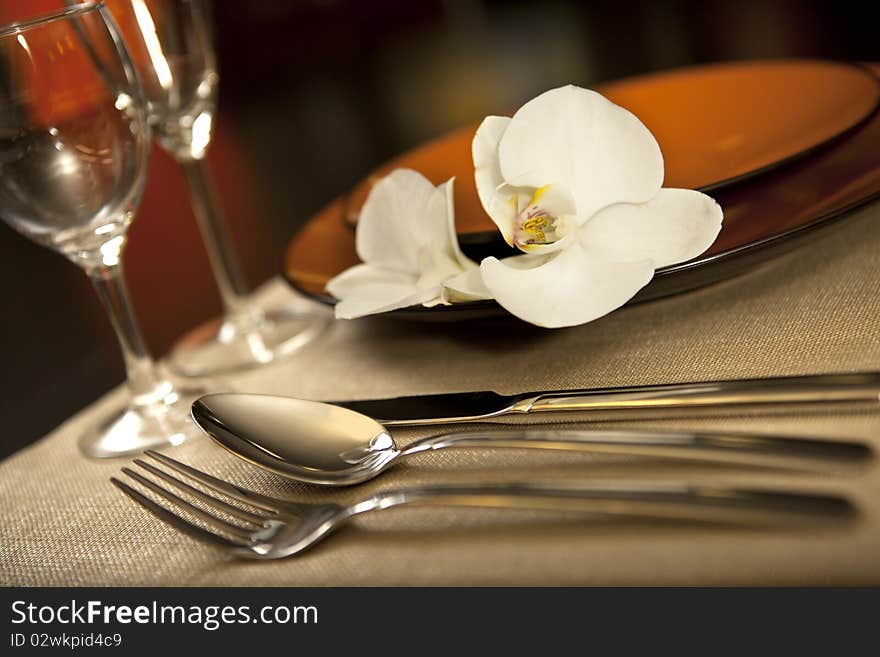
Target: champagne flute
[74, 147]
[171, 46]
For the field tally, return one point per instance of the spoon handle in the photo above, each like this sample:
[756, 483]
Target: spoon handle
[733, 448]
[672, 500]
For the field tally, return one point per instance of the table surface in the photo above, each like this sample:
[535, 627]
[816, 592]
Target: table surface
[814, 310]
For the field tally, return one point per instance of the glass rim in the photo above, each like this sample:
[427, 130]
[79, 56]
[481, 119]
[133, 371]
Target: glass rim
[22, 26]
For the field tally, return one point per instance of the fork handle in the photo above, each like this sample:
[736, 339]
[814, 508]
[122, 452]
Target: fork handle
[739, 449]
[667, 500]
[859, 387]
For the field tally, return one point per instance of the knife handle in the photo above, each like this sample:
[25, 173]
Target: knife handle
[861, 387]
[812, 454]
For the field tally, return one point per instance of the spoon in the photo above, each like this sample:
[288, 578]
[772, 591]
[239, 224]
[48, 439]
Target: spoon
[321, 443]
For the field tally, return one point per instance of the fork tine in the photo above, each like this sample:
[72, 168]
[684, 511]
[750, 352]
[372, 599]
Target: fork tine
[207, 518]
[179, 523]
[218, 485]
[234, 511]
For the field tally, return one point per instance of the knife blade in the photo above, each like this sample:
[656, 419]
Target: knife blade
[458, 407]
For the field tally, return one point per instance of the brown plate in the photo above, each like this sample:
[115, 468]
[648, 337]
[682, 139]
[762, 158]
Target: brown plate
[790, 201]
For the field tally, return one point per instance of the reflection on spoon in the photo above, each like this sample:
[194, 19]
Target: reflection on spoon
[324, 444]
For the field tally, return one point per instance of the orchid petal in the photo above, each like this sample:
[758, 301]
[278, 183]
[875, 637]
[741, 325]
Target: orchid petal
[674, 226]
[454, 247]
[467, 286]
[499, 200]
[366, 289]
[436, 268]
[573, 287]
[403, 213]
[352, 279]
[576, 138]
[380, 299]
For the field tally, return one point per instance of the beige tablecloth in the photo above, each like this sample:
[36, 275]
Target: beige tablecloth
[815, 310]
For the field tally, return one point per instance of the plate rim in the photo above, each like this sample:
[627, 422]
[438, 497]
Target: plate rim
[810, 150]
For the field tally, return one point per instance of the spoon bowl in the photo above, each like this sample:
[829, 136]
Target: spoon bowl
[305, 440]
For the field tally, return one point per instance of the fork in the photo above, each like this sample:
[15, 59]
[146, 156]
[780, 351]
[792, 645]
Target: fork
[276, 528]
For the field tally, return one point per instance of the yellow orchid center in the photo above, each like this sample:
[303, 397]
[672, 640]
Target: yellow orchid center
[536, 225]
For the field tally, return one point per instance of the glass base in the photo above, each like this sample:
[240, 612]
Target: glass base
[146, 422]
[228, 345]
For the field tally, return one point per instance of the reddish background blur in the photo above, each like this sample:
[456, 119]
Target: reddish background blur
[316, 93]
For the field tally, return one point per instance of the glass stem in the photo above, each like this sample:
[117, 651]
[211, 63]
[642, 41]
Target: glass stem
[230, 281]
[140, 369]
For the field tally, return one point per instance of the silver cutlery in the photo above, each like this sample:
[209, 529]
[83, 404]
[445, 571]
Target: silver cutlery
[273, 528]
[323, 444]
[485, 405]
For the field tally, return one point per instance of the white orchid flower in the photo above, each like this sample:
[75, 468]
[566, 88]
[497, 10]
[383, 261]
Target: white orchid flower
[406, 240]
[574, 181]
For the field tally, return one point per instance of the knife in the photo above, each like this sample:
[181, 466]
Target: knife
[458, 407]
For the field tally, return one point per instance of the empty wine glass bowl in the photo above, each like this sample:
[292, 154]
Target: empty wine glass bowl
[171, 44]
[72, 155]
[74, 147]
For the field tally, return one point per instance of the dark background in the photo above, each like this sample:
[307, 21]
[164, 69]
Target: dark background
[315, 94]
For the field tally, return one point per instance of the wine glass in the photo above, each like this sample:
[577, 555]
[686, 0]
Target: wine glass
[170, 42]
[74, 147]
